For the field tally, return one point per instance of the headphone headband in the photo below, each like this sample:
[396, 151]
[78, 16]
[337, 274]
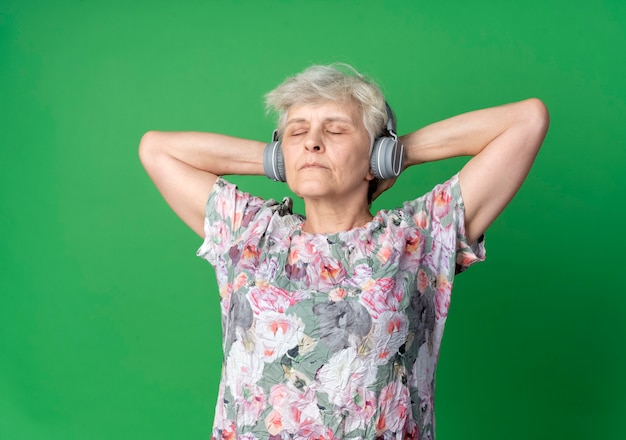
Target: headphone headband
[391, 119]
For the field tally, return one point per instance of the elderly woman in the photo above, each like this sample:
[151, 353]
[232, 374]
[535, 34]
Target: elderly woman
[332, 321]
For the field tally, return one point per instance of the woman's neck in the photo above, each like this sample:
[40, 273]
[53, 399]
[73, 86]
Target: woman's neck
[330, 218]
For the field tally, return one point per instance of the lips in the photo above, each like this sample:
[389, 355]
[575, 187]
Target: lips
[312, 166]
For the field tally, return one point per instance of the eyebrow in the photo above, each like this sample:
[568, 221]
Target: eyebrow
[325, 120]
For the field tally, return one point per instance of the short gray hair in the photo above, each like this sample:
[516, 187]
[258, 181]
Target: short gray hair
[336, 83]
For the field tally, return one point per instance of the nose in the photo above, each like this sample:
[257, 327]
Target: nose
[313, 142]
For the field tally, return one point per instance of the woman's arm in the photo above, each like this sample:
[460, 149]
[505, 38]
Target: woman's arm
[504, 141]
[185, 165]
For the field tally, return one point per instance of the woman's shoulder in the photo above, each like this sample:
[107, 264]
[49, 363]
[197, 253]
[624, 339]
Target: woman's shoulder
[436, 202]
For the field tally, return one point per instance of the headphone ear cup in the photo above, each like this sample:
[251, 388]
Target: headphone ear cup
[387, 158]
[273, 162]
[374, 158]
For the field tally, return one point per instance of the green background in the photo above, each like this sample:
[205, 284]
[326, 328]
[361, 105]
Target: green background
[109, 323]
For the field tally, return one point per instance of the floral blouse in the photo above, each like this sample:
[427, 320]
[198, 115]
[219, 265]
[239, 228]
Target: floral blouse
[332, 336]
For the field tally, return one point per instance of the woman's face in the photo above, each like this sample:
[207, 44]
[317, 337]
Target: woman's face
[326, 151]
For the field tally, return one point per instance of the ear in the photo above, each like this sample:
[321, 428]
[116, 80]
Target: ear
[370, 175]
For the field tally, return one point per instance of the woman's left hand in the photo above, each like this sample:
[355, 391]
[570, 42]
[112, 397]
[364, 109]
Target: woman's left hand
[383, 185]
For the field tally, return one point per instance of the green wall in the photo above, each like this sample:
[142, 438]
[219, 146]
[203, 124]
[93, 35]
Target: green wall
[109, 323]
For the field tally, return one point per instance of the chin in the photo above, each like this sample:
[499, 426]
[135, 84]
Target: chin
[310, 190]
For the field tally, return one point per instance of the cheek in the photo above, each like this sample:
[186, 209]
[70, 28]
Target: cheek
[360, 160]
[288, 158]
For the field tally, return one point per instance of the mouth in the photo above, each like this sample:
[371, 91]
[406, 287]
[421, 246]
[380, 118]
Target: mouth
[312, 166]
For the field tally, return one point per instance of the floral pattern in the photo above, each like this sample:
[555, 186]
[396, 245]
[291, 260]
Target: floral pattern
[332, 336]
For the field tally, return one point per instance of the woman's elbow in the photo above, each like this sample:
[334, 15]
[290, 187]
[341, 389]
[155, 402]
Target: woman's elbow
[148, 146]
[537, 114]
[534, 123]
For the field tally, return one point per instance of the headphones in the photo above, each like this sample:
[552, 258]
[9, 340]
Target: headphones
[386, 156]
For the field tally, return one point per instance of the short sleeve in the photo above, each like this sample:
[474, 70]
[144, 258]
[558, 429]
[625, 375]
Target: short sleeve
[440, 214]
[228, 213]
[466, 253]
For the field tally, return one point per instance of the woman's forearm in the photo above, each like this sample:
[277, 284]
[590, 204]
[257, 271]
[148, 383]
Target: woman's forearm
[464, 135]
[209, 152]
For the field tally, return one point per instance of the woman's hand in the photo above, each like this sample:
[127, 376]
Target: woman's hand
[382, 186]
